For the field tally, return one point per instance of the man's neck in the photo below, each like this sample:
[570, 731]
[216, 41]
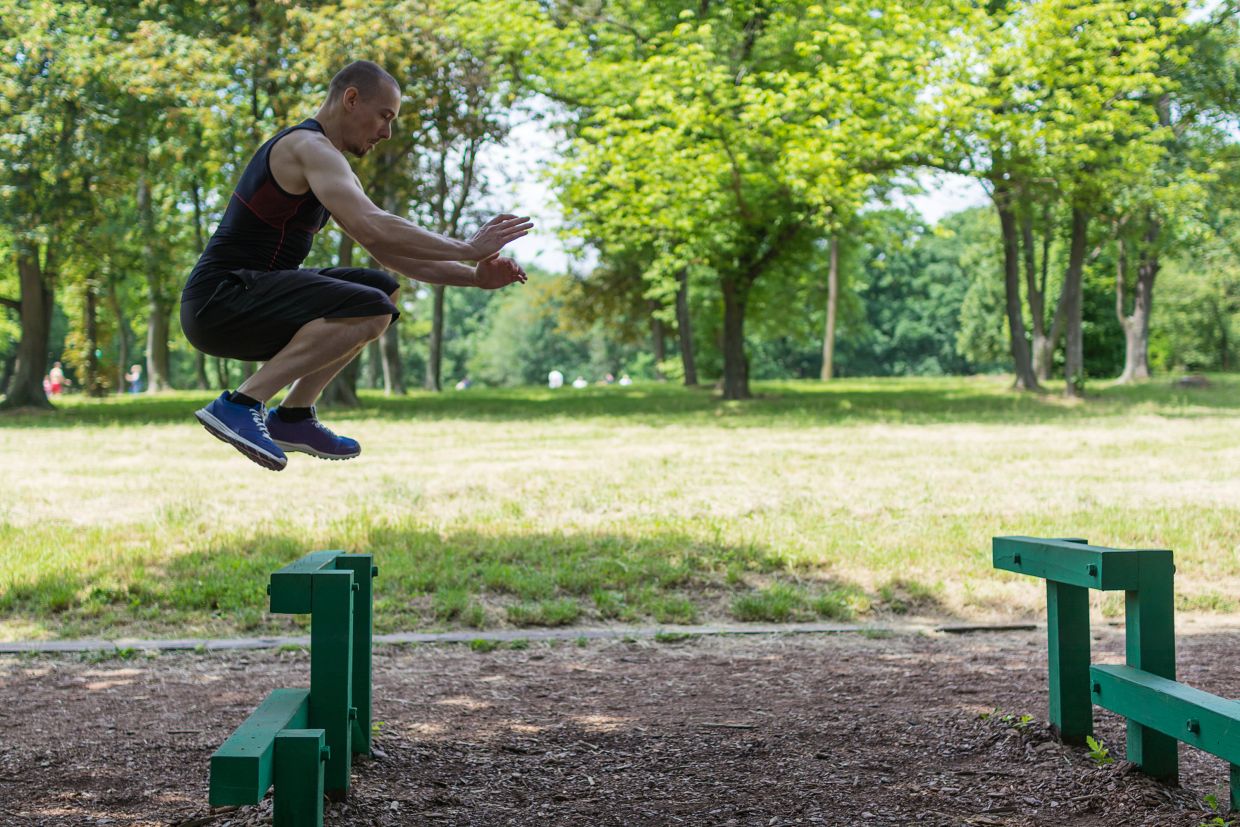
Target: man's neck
[331, 127]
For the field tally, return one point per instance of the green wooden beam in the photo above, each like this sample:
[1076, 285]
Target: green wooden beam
[1067, 632]
[298, 797]
[290, 586]
[1197, 718]
[1072, 562]
[364, 573]
[1149, 643]
[331, 672]
[241, 769]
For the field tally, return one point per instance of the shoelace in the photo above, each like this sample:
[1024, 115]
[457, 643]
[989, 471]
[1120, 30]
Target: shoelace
[260, 419]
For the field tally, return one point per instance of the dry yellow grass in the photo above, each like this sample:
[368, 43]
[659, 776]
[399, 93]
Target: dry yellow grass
[901, 508]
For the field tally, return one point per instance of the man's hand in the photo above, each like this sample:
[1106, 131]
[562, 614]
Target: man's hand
[497, 232]
[495, 272]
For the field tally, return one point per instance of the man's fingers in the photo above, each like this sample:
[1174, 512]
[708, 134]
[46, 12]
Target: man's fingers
[513, 222]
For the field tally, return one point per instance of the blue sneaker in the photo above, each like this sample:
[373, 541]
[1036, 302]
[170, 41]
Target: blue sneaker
[310, 437]
[244, 428]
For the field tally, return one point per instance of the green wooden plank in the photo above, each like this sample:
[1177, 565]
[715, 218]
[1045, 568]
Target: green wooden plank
[1071, 562]
[1149, 632]
[290, 586]
[241, 769]
[1197, 718]
[298, 796]
[364, 573]
[331, 673]
[1067, 632]
[1235, 788]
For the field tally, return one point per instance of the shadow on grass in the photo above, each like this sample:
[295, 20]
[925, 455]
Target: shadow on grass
[431, 580]
[793, 403]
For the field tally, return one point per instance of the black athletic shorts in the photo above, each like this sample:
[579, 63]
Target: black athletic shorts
[252, 314]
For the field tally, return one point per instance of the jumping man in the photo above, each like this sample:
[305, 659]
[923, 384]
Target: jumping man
[247, 298]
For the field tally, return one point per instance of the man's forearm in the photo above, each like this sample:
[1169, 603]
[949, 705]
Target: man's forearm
[451, 273]
[388, 236]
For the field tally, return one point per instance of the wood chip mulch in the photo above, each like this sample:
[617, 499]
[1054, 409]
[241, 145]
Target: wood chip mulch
[813, 730]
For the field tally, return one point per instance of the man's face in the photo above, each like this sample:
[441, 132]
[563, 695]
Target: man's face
[370, 118]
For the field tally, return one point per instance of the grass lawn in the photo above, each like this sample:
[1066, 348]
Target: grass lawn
[853, 499]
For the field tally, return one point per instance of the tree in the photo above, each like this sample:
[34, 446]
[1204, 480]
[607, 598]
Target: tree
[1192, 116]
[47, 66]
[730, 136]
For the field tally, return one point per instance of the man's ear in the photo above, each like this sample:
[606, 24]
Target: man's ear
[349, 99]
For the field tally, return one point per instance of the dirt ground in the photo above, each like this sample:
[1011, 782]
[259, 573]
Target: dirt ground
[776, 730]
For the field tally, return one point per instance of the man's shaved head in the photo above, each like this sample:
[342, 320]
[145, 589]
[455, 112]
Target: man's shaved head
[366, 77]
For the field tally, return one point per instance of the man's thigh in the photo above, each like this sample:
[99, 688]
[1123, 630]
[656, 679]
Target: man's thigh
[254, 314]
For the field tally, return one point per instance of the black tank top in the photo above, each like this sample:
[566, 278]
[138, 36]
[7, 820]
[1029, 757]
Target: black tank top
[264, 227]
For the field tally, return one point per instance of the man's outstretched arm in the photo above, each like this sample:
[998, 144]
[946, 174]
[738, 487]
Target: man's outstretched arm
[490, 274]
[386, 236]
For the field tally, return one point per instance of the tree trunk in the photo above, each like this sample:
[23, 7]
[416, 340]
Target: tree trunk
[200, 371]
[1137, 324]
[26, 388]
[833, 297]
[223, 375]
[1021, 361]
[122, 337]
[94, 387]
[685, 330]
[157, 345]
[159, 306]
[735, 366]
[341, 392]
[1043, 345]
[374, 365]
[393, 378]
[10, 362]
[1074, 350]
[434, 360]
[658, 341]
[200, 358]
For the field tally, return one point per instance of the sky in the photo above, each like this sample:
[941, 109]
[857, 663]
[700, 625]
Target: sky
[518, 186]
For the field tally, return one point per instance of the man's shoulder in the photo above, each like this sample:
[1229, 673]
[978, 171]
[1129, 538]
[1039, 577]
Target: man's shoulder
[308, 143]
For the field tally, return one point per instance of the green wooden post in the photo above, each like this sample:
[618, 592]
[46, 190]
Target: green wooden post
[363, 624]
[1235, 788]
[331, 667]
[1067, 628]
[298, 796]
[1150, 647]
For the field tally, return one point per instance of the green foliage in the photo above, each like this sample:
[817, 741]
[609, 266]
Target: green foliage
[1098, 753]
[912, 283]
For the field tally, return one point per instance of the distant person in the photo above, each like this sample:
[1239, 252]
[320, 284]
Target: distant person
[580, 382]
[56, 379]
[465, 384]
[134, 378]
[625, 381]
[608, 379]
[249, 298]
[555, 379]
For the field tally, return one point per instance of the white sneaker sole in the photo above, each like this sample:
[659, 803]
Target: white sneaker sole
[255, 453]
[307, 449]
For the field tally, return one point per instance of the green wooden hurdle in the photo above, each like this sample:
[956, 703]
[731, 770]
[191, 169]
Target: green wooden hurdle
[1160, 711]
[302, 741]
